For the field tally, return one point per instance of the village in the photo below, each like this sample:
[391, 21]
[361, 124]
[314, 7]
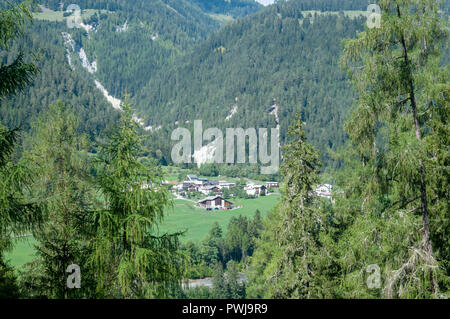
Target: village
[218, 194]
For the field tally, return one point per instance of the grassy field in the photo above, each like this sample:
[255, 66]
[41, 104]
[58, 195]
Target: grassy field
[348, 13]
[197, 221]
[171, 174]
[222, 18]
[50, 15]
[23, 251]
[183, 216]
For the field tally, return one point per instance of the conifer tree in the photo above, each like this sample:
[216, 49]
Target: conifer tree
[289, 256]
[298, 218]
[400, 115]
[236, 289]
[220, 286]
[130, 258]
[64, 193]
[16, 215]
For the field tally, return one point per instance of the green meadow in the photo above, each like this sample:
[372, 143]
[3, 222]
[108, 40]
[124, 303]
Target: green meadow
[23, 251]
[53, 16]
[183, 216]
[222, 18]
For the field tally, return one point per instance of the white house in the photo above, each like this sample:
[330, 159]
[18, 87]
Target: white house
[272, 184]
[207, 189]
[324, 190]
[215, 202]
[255, 190]
[227, 185]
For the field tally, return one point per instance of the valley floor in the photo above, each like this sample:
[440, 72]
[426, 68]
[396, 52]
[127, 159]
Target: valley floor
[183, 216]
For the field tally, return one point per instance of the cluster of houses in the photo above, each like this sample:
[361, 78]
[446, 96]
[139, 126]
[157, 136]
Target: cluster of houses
[195, 184]
[255, 190]
[214, 189]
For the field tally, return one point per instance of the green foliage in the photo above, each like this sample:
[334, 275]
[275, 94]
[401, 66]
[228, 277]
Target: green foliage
[227, 251]
[390, 198]
[392, 191]
[16, 214]
[212, 247]
[298, 228]
[8, 285]
[402, 107]
[17, 74]
[62, 190]
[55, 81]
[237, 8]
[236, 289]
[127, 259]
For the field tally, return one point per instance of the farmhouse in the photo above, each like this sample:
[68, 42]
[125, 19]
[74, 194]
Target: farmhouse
[210, 189]
[192, 178]
[324, 191]
[187, 186]
[227, 185]
[213, 182]
[255, 190]
[272, 184]
[215, 202]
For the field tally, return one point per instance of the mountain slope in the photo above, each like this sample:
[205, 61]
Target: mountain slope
[257, 70]
[121, 44]
[55, 81]
[235, 8]
[130, 40]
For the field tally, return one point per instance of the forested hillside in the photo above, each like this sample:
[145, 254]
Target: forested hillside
[166, 55]
[134, 39]
[54, 81]
[178, 65]
[358, 209]
[155, 33]
[278, 59]
[235, 8]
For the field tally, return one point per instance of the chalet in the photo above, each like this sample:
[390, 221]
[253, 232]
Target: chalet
[210, 189]
[272, 185]
[196, 180]
[225, 184]
[255, 190]
[215, 202]
[188, 186]
[324, 191]
[192, 178]
[193, 188]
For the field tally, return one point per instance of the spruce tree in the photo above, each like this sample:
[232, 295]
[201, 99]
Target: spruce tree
[63, 190]
[16, 215]
[289, 261]
[298, 218]
[130, 258]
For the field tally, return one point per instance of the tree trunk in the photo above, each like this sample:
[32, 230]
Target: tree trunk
[423, 190]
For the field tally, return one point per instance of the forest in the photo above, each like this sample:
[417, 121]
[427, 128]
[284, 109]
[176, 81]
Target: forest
[364, 109]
